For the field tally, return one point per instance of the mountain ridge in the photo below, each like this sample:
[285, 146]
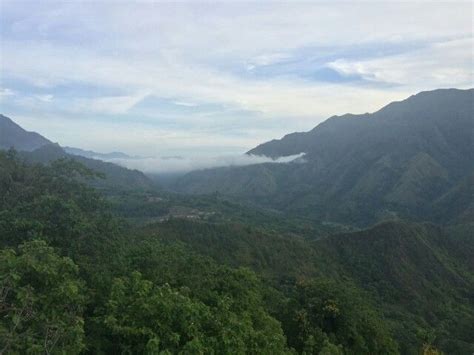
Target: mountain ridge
[13, 135]
[34, 148]
[394, 162]
[96, 155]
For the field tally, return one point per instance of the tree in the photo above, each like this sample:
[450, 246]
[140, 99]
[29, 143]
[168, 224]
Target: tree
[331, 317]
[145, 318]
[41, 301]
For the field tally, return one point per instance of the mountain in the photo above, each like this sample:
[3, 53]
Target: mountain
[115, 176]
[396, 287]
[96, 155]
[34, 148]
[457, 205]
[12, 135]
[437, 116]
[397, 162]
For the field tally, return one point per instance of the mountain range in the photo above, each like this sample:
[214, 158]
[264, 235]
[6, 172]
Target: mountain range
[381, 280]
[34, 148]
[95, 155]
[411, 159]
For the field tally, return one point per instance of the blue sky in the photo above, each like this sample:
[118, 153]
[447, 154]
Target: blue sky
[153, 78]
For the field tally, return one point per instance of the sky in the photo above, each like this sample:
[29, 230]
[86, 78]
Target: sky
[218, 78]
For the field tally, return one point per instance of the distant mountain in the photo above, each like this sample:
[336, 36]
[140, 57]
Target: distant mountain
[115, 175]
[439, 122]
[12, 135]
[96, 155]
[396, 162]
[34, 148]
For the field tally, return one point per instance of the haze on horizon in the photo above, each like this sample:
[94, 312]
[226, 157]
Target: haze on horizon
[152, 78]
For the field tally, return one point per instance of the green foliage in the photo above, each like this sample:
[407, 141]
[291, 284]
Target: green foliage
[242, 281]
[233, 299]
[418, 276]
[159, 319]
[49, 202]
[234, 244]
[326, 317]
[41, 301]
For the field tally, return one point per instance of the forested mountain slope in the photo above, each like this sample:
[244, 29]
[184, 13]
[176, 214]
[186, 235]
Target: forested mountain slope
[399, 161]
[215, 276]
[419, 276]
[95, 286]
[396, 287]
[34, 148]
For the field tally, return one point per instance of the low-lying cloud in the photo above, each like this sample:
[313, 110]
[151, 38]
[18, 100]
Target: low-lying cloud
[181, 165]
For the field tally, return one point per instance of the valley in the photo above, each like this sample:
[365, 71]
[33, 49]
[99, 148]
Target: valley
[362, 246]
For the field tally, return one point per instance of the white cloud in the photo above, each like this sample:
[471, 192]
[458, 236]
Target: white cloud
[186, 104]
[272, 97]
[268, 59]
[4, 92]
[194, 54]
[45, 98]
[447, 63]
[177, 164]
[109, 105]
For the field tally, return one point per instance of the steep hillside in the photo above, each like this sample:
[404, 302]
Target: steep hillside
[396, 162]
[12, 135]
[456, 205]
[438, 122]
[418, 273]
[419, 276]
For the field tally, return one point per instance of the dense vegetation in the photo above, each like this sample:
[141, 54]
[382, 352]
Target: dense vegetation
[420, 277]
[114, 293]
[76, 278]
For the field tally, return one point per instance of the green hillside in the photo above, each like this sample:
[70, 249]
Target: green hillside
[419, 276]
[201, 286]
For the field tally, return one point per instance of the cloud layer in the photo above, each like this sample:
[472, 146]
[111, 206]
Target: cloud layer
[178, 164]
